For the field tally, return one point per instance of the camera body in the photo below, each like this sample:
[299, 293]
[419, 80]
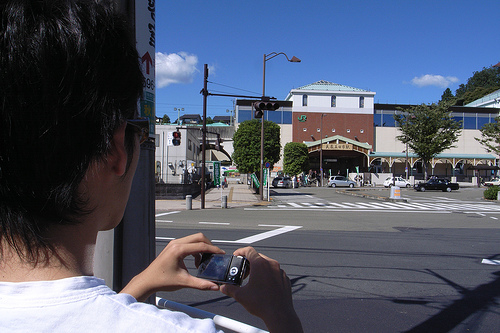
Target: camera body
[223, 268]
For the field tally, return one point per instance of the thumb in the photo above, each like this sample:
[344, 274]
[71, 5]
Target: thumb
[230, 290]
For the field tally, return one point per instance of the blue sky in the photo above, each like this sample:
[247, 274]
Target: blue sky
[405, 51]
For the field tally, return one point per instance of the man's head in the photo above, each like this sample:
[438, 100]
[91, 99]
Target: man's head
[69, 77]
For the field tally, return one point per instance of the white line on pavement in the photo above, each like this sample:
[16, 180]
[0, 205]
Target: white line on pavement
[261, 236]
[271, 208]
[252, 239]
[216, 223]
[164, 221]
[167, 213]
[490, 262]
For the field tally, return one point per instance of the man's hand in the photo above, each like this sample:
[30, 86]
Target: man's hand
[268, 293]
[168, 271]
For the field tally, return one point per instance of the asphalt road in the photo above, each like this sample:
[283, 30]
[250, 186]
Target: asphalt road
[363, 265]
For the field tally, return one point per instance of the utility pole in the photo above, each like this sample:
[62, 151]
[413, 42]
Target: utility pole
[204, 134]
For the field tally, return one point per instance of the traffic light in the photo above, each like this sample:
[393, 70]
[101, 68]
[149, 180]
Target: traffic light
[176, 141]
[258, 113]
[260, 106]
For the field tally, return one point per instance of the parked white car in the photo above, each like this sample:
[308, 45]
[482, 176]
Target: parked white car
[494, 182]
[398, 181]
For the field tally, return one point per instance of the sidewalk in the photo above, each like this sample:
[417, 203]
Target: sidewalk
[238, 195]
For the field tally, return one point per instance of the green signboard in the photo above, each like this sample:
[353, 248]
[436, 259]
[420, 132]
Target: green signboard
[255, 180]
[266, 171]
[216, 173]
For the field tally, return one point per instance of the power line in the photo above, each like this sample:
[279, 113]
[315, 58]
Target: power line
[223, 85]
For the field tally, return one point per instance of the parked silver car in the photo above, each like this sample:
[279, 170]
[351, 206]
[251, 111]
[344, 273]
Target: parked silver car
[335, 181]
[282, 182]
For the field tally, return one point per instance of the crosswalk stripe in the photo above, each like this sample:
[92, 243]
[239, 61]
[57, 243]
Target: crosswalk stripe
[393, 206]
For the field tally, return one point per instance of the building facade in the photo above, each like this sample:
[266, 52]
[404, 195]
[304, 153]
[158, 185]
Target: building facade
[182, 164]
[462, 161]
[324, 109]
[345, 132]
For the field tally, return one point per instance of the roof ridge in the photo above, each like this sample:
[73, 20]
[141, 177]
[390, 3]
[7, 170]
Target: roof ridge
[324, 84]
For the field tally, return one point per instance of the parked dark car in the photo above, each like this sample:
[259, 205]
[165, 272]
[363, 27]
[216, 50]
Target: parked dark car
[282, 182]
[437, 184]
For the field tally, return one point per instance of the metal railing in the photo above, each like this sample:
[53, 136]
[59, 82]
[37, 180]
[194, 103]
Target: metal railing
[221, 321]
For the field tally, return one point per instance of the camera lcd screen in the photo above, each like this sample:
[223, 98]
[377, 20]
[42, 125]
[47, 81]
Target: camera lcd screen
[215, 268]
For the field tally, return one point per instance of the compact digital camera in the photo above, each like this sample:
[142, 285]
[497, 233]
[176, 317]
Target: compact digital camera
[223, 268]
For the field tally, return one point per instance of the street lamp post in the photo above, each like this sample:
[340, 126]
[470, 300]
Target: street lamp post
[230, 117]
[406, 162]
[179, 114]
[266, 58]
[321, 148]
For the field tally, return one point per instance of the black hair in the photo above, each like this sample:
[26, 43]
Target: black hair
[69, 77]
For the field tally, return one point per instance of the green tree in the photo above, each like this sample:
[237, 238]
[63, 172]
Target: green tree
[295, 158]
[447, 96]
[471, 95]
[490, 136]
[478, 85]
[246, 145]
[165, 119]
[428, 130]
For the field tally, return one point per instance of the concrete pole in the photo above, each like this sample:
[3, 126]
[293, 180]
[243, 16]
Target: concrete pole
[131, 246]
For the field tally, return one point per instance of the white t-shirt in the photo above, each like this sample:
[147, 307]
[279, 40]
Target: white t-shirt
[85, 304]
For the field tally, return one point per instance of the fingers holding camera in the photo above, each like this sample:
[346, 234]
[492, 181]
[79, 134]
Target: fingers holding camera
[168, 271]
[267, 294]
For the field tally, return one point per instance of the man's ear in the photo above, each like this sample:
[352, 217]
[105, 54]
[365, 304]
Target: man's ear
[117, 157]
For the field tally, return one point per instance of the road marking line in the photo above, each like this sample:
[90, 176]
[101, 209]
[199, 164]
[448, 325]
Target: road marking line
[252, 239]
[335, 204]
[261, 236]
[494, 218]
[216, 223]
[490, 262]
[272, 225]
[167, 213]
[446, 198]
[165, 221]
[268, 208]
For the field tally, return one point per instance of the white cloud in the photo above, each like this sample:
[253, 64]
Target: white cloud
[175, 68]
[434, 80]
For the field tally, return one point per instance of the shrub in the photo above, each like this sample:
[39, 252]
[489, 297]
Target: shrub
[491, 193]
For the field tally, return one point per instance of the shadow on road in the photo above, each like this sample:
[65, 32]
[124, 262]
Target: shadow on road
[477, 300]
[277, 193]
